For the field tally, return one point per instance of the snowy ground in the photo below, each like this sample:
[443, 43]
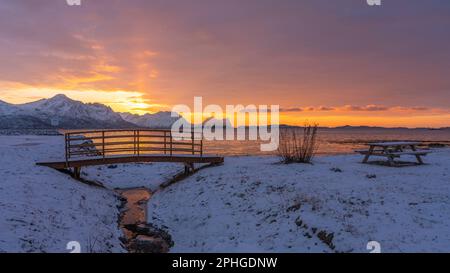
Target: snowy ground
[123, 176]
[248, 204]
[42, 209]
[254, 204]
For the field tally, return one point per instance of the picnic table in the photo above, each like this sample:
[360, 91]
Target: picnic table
[392, 150]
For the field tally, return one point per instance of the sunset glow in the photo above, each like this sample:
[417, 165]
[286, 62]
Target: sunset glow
[358, 71]
[247, 132]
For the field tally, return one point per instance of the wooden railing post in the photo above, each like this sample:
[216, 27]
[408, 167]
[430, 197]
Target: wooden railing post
[134, 142]
[171, 140]
[201, 147]
[103, 144]
[193, 142]
[165, 142]
[106, 143]
[201, 144]
[138, 143]
[67, 147]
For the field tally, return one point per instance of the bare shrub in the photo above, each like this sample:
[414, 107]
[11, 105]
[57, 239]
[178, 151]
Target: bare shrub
[297, 148]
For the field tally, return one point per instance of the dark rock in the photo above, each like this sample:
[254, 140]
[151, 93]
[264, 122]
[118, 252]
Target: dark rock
[326, 238]
[146, 244]
[336, 170]
[148, 231]
[294, 207]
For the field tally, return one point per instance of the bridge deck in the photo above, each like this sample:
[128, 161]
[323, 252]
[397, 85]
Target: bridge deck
[104, 147]
[187, 159]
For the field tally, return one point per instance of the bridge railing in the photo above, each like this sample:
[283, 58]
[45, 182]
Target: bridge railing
[138, 142]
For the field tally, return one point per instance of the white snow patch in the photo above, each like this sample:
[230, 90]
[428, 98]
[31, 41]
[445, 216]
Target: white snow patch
[253, 204]
[43, 209]
[134, 175]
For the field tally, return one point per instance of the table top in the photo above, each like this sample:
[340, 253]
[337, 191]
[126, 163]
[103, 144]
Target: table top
[394, 143]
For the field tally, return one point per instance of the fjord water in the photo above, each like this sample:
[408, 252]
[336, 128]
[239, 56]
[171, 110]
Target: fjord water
[336, 140]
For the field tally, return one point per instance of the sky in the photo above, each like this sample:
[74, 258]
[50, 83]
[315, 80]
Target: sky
[330, 62]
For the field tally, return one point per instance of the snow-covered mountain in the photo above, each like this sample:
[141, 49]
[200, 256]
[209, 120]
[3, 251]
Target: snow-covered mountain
[64, 113]
[62, 106]
[13, 117]
[8, 109]
[61, 111]
[161, 120]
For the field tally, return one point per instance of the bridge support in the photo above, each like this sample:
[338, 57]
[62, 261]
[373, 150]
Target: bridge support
[77, 172]
[189, 168]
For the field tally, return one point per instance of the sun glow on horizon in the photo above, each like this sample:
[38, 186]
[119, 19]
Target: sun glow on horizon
[120, 101]
[136, 102]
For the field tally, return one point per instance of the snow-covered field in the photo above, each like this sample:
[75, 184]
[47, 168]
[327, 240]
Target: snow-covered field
[42, 210]
[255, 204]
[248, 204]
[135, 175]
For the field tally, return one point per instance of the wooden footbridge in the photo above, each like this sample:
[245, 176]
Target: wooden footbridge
[106, 147]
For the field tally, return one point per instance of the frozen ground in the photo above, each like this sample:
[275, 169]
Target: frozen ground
[253, 204]
[123, 176]
[248, 204]
[42, 209]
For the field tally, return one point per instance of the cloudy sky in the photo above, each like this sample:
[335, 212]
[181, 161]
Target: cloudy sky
[332, 62]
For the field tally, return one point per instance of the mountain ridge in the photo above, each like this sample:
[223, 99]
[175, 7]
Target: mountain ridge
[62, 112]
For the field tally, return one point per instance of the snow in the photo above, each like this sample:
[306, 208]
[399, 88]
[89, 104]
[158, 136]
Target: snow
[249, 204]
[135, 175]
[43, 209]
[62, 112]
[157, 120]
[8, 109]
[394, 143]
[255, 204]
[62, 106]
[59, 112]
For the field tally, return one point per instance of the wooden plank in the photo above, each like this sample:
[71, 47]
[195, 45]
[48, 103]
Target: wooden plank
[410, 153]
[83, 132]
[112, 137]
[366, 158]
[106, 150]
[394, 143]
[130, 150]
[419, 159]
[367, 151]
[397, 154]
[93, 145]
[134, 159]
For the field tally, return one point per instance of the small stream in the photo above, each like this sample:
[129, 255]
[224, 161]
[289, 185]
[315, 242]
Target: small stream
[140, 236]
[135, 210]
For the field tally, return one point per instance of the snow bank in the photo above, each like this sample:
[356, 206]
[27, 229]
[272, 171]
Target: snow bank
[135, 175]
[42, 209]
[338, 204]
[250, 204]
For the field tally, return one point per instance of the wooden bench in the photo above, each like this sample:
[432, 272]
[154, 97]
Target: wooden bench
[392, 150]
[422, 153]
[395, 154]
